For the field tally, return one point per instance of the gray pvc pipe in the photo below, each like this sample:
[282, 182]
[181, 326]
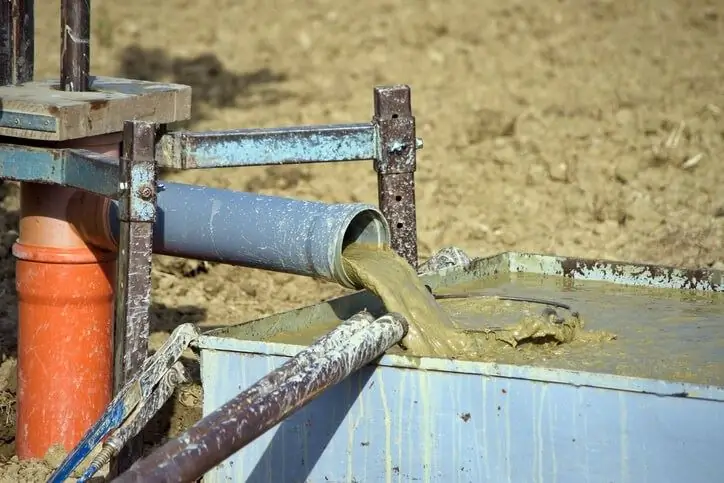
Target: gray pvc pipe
[259, 231]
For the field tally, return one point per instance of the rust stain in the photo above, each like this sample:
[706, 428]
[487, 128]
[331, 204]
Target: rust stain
[692, 278]
[98, 104]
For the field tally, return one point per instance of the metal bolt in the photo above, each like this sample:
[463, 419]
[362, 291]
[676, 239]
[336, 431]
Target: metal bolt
[397, 147]
[145, 192]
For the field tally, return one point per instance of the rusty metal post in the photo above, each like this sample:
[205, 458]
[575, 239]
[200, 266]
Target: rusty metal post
[6, 43]
[74, 45]
[17, 41]
[395, 164]
[24, 40]
[137, 213]
[251, 413]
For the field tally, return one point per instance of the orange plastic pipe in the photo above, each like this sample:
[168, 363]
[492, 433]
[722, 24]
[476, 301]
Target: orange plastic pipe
[65, 293]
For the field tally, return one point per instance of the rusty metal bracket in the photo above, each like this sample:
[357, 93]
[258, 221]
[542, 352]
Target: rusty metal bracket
[395, 163]
[137, 213]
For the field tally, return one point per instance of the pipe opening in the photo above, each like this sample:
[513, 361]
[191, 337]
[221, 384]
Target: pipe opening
[368, 227]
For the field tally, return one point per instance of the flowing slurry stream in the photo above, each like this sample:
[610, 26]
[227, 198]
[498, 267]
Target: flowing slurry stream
[432, 331]
[391, 278]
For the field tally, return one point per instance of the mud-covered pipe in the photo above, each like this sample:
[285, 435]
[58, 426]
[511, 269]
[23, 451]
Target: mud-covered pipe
[246, 229]
[254, 411]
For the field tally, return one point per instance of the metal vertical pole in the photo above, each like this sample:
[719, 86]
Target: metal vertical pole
[6, 43]
[24, 40]
[75, 44]
[395, 165]
[137, 213]
[17, 41]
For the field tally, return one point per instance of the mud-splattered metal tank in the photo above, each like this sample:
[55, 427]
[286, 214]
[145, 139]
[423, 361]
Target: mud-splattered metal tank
[646, 406]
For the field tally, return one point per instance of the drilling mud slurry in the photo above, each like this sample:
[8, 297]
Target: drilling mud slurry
[390, 277]
[655, 333]
[433, 331]
[669, 334]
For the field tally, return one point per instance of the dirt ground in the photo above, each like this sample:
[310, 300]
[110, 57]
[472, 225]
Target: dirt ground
[589, 129]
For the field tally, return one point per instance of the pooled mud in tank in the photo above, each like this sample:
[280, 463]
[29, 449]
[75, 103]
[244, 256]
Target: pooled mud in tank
[447, 333]
[675, 335]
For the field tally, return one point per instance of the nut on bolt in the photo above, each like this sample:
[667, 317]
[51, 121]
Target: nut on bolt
[398, 147]
[145, 192]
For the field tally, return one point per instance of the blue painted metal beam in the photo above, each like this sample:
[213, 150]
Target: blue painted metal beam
[262, 147]
[28, 121]
[75, 168]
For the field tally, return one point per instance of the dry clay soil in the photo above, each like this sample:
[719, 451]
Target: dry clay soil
[590, 129]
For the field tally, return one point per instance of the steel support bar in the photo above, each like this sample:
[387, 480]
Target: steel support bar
[24, 40]
[7, 44]
[137, 214]
[395, 166]
[17, 41]
[269, 401]
[74, 44]
[73, 168]
[260, 147]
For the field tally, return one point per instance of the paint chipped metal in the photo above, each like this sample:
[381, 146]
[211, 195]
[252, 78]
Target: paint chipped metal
[74, 168]
[137, 214]
[272, 146]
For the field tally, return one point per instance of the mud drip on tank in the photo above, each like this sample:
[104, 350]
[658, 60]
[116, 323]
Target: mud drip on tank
[434, 331]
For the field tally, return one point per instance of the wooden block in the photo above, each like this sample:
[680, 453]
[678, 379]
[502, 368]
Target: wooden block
[41, 111]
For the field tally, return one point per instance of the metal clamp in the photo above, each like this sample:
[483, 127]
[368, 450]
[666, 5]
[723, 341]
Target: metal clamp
[132, 408]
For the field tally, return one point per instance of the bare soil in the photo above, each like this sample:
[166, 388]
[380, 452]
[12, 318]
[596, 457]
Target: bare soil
[589, 129]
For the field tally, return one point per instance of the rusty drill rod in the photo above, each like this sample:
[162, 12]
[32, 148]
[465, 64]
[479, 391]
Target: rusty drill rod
[254, 411]
[74, 45]
[17, 41]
